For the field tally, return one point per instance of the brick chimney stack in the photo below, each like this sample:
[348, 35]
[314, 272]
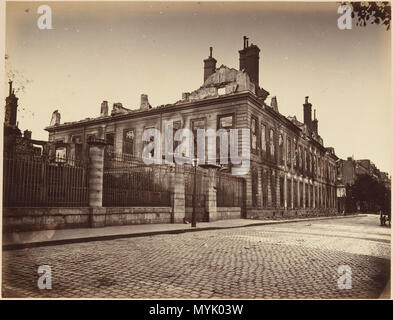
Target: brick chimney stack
[249, 61]
[315, 123]
[145, 105]
[307, 113]
[209, 65]
[11, 107]
[104, 108]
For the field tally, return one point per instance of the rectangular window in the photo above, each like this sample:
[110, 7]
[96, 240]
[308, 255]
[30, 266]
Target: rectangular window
[224, 122]
[145, 143]
[311, 196]
[128, 141]
[254, 135]
[301, 194]
[176, 126]
[195, 125]
[273, 189]
[281, 149]
[263, 139]
[295, 194]
[264, 188]
[271, 144]
[306, 196]
[254, 187]
[110, 139]
[289, 153]
[281, 192]
[289, 195]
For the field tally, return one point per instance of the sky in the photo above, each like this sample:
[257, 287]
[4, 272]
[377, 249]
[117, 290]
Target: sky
[116, 51]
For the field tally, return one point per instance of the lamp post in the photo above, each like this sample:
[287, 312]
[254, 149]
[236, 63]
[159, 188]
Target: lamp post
[193, 217]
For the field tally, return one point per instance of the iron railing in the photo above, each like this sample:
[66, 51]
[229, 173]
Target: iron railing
[36, 181]
[129, 182]
[229, 190]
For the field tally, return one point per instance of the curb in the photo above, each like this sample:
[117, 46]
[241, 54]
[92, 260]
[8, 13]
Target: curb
[17, 246]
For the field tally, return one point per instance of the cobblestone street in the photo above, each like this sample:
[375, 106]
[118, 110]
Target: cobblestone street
[291, 260]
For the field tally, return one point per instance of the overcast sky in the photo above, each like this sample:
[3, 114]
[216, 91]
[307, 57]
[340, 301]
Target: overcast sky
[116, 51]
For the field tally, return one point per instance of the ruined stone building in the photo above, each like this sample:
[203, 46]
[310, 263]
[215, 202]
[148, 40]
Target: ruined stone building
[14, 141]
[291, 169]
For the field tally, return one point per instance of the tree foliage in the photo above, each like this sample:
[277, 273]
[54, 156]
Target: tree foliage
[371, 13]
[369, 195]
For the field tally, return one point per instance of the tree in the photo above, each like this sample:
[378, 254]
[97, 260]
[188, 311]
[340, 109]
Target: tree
[370, 195]
[371, 13]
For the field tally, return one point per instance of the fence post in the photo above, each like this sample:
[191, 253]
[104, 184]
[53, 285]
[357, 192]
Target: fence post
[179, 204]
[211, 195]
[95, 176]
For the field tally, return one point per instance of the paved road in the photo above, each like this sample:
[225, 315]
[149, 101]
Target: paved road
[292, 260]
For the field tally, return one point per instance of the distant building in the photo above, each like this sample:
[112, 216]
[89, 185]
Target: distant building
[14, 141]
[291, 169]
[350, 169]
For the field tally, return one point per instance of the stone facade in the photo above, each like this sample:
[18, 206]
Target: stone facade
[291, 169]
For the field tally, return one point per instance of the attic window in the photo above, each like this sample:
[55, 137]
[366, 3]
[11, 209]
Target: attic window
[221, 91]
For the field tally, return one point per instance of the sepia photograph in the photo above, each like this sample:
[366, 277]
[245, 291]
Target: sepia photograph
[207, 151]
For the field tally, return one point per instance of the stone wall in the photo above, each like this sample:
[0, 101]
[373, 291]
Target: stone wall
[292, 213]
[34, 219]
[225, 213]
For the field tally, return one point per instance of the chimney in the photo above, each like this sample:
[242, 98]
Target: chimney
[185, 96]
[249, 61]
[209, 65]
[307, 113]
[274, 104]
[27, 134]
[11, 107]
[104, 108]
[145, 105]
[315, 123]
[55, 120]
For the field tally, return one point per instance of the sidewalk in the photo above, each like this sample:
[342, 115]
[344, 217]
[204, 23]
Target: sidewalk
[19, 240]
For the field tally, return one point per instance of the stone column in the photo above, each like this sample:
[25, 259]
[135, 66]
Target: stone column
[96, 172]
[259, 187]
[211, 195]
[96, 178]
[179, 204]
[286, 205]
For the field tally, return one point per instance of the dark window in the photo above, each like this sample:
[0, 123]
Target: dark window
[289, 153]
[264, 188]
[254, 135]
[281, 192]
[273, 189]
[76, 139]
[195, 125]
[224, 122]
[301, 194]
[295, 194]
[110, 139]
[281, 149]
[306, 195]
[254, 187]
[129, 141]
[263, 140]
[289, 195]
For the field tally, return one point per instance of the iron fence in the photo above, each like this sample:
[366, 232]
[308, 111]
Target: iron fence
[229, 190]
[36, 181]
[189, 176]
[129, 182]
